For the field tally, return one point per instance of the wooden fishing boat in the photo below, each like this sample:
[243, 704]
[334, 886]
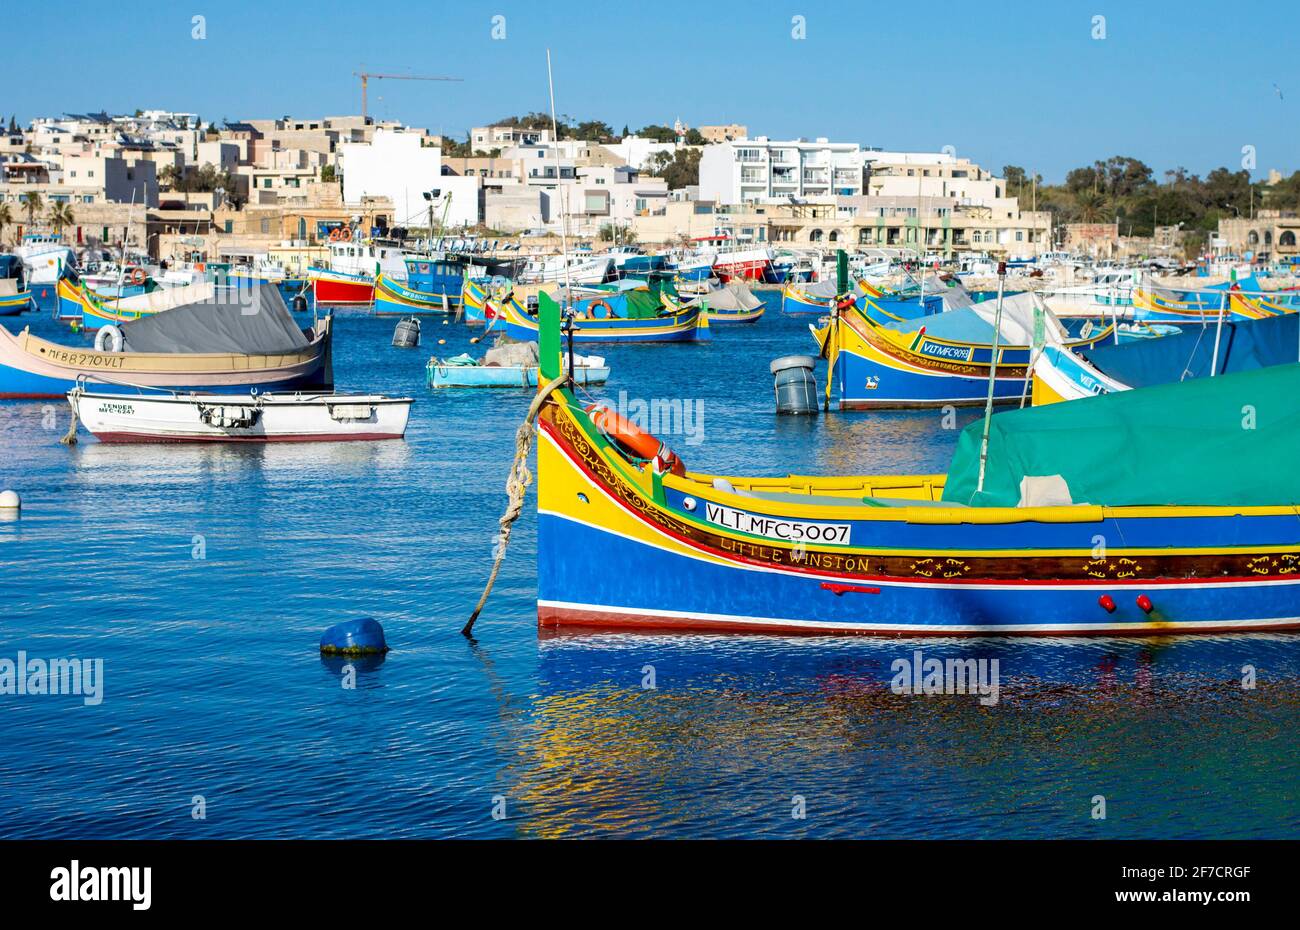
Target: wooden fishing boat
[208, 347]
[14, 303]
[252, 417]
[395, 299]
[340, 287]
[729, 303]
[1057, 542]
[815, 298]
[1064, 374]
[688, 325]
[938, 360]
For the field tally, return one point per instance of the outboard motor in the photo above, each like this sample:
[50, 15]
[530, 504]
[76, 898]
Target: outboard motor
[796, 384]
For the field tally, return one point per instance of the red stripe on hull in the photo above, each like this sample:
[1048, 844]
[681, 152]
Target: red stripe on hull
[342, 292]
[591, 619]
[329, 437]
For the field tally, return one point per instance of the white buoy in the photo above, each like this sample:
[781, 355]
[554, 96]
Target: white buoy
[9, 500]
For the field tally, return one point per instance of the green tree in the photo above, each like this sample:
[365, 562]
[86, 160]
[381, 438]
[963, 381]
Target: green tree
[60, 215]
[680, 169]
[693, 137]
[327, 173]
[658, 133]
[33, 203]
[1091, 206]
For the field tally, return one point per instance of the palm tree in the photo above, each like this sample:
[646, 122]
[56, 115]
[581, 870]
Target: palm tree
[60, 215]
[1091, 206]
[32, 204]
[6, 217]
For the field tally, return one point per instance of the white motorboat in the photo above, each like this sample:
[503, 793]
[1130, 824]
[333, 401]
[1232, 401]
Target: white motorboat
[254, 417]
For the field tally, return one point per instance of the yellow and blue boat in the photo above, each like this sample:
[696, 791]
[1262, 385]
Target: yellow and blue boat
[629, 316]
[395, 299]
[1197, 533]
[937, 360]
[77, 302]
[1242, 345]
[15, 303]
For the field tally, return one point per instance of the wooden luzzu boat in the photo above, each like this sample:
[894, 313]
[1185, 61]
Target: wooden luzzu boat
[1059, 541]
[218, 347]
[597, 321]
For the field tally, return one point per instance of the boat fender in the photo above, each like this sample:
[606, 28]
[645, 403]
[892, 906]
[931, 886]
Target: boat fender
[109, 339]
[628, 434]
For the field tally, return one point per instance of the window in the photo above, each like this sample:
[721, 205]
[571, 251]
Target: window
[815, 236]
[266, 227]
[1020, 235]
[266, 182]
[834, 236]
[975, 236]
[864, 235]
[1287, 238]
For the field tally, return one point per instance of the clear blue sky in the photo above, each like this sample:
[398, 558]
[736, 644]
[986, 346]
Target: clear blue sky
[1173, 83]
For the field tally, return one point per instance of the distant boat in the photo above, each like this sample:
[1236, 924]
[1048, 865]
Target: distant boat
[729, 303]
[254, 417]
[394, 299]
[646, 325]
[513, 365]
[216, 346]
[339, 287]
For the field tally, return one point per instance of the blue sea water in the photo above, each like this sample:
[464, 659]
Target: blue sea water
[203, 577]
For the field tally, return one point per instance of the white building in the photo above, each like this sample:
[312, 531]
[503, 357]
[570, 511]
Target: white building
[753, 170]
[931, 174]
[636, 151]
[394, 165]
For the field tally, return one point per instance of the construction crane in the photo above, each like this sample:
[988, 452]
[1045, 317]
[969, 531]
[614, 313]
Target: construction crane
[367, 75]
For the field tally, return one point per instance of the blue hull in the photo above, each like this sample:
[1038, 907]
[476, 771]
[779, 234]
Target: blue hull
[704, 593]
[860, 383]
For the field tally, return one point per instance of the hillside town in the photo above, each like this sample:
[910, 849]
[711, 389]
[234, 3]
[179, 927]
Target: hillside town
[185, 189]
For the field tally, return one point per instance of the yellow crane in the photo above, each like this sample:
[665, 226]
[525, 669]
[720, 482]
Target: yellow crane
[367, 75]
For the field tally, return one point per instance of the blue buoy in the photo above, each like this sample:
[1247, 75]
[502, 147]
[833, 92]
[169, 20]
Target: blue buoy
[362, 637]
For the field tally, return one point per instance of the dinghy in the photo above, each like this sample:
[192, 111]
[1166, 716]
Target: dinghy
[510, 365]
[251, 417]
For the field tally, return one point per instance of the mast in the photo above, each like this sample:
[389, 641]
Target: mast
[564, 219]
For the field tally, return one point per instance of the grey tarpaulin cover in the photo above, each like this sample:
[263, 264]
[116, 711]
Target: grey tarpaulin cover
[732, 296]
[245, 321]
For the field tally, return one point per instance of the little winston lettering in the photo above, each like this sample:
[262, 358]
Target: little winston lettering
[776, 527]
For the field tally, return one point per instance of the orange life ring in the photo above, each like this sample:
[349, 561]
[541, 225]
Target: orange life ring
[646, 446]
[138, 276]
[345, 234]
[591, 310]
[335, 234]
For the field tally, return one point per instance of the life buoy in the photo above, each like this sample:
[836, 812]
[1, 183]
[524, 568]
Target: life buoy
[628, 434]
[336, 234]
[345, 234]
[591, 310]
[138, 276]
[109, 339]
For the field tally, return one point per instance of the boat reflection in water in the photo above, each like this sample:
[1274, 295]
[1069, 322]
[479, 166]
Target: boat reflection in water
[735, 727]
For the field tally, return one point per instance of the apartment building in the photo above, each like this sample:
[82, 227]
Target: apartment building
[755, 170]
[485, 139]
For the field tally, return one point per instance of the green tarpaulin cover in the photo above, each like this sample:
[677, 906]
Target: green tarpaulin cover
[1232, 440]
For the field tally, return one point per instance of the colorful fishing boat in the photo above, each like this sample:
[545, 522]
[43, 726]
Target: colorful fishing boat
[939, 360]
[216, 346]
[1155, 304]
[332, 288]
[815, 298]
[1245, 345]
[597, 322]
[252, 417]
[731, 303]
[1057, 541]
[395, 299]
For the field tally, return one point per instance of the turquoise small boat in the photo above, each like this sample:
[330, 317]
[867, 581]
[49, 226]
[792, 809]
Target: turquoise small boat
[513, 365]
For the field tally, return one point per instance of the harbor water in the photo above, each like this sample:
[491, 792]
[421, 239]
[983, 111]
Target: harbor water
[203, 576]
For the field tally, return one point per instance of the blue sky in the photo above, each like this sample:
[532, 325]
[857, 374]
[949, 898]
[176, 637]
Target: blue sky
[1186, 83]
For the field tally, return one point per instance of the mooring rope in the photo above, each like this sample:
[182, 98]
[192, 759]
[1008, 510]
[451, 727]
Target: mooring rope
[70, 437]
[517, 483]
